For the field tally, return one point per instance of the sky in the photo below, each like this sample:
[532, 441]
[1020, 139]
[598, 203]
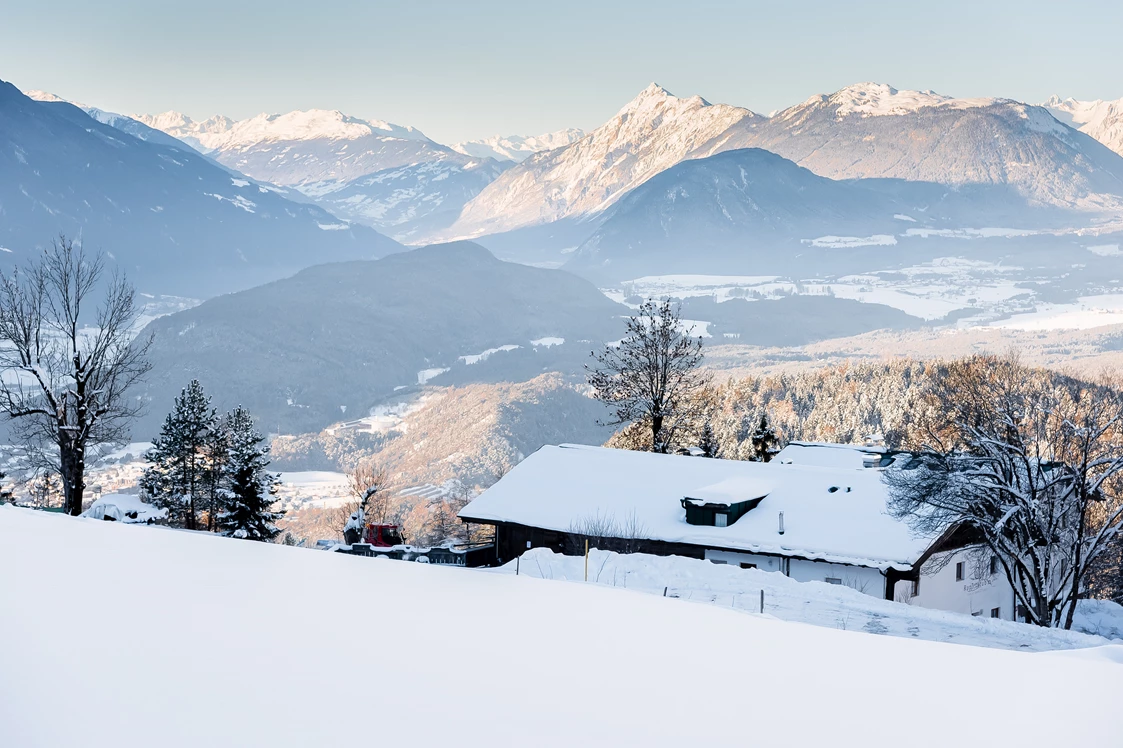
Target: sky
[463, 70]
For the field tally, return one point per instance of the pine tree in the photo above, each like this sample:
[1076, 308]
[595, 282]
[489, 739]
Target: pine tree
[178, 473]
[708, 442]
[765, 442]
[250, 488]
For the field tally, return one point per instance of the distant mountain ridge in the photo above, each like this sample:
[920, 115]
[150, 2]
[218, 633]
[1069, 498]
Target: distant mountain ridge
[518, 147]
[372, 172]
[174, 220]
[1103, 120]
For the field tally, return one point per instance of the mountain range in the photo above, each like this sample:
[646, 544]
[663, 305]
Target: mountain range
[174, 220]
[372, 172]
[651, 188]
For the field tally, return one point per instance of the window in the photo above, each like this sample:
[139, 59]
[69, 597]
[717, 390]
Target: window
[996, 612]
[718, 561]
[915, 588]
[994, 564]
[959, 572]
[721, 519]
[833, 580]
[747, 566]
[977, 613]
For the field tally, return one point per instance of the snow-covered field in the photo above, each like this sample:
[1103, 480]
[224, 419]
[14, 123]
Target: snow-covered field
[997, 292]
[818, 603]
[320, 488]
[136, 636]
[1082, 314]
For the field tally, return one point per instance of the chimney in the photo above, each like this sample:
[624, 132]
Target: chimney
[781, 523]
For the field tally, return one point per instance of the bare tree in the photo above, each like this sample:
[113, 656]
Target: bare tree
[652, 375]
[65, 384]
[606, 533]
[1031, 465]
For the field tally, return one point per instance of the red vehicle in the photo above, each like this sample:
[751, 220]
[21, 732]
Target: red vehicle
[382, 536]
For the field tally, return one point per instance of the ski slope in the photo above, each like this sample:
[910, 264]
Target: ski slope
[128, 636]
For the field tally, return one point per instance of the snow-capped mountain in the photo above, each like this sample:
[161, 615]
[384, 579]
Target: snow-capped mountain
[372, 172]
[1103, 120]
[518, 147]
[171, 218]
[302, 147]
[874, 130]
[220, 133]
[651, 133]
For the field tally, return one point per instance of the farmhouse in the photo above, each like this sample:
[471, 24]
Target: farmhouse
[816, 512]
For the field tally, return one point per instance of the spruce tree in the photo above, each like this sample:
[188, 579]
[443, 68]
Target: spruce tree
[178, 471]
[765, 442]
[250, 488]
[707, 442]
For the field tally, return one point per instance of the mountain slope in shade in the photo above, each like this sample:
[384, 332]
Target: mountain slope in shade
[750, 208]
[651, 133]
[518, 147]
[873, 130]
[119, 121]
[1103, 120]
[333, 340]
[175, 221]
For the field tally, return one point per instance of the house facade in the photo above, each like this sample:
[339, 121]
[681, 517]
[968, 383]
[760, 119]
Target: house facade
[816, 512]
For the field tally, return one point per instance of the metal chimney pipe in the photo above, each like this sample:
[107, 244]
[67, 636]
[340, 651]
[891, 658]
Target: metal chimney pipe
[781, 523]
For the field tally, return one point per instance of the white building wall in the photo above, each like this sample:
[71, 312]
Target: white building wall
[979, 592]
[864, 579]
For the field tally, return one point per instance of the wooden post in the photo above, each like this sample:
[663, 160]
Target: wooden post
[586, 559]
[762, 601]
[517, 559]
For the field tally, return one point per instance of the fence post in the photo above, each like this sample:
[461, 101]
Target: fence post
[664, 592]
[517, 559]
[586, 559]
[762, 601]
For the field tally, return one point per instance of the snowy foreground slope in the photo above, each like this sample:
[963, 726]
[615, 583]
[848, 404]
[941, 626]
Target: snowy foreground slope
[818, 603]
[135, 636]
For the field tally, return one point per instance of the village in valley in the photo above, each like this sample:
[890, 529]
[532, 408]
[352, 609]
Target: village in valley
[600, 413]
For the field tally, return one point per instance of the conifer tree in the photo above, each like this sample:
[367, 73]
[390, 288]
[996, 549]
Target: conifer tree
[707, 442]
[765, 442]
[178, 474]
[250, 487]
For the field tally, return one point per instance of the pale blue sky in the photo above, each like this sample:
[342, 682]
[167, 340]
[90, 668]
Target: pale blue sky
[460, 70]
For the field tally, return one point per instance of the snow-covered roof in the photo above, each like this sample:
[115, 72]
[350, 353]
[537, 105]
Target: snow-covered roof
[825, 454]
[556, 488]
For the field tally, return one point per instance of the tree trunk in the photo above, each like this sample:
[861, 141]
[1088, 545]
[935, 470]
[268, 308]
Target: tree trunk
[73, 479]
[656, 427]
